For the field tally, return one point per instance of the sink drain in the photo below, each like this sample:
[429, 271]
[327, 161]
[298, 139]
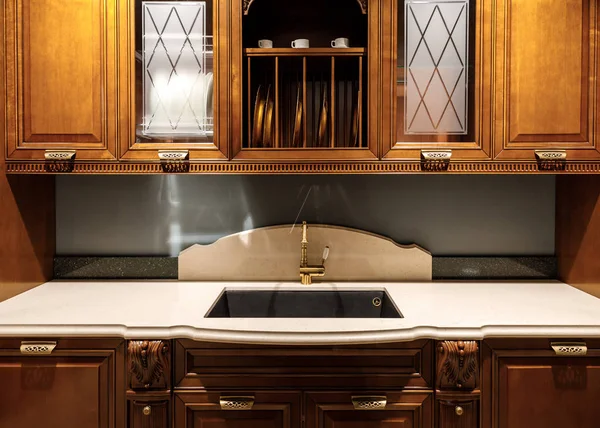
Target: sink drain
[376, 302]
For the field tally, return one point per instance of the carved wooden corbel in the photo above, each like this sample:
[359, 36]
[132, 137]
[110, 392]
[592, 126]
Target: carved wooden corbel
[457, 365]
[149, 364]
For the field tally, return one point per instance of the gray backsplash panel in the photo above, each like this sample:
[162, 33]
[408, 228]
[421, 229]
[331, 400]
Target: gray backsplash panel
[499, 215]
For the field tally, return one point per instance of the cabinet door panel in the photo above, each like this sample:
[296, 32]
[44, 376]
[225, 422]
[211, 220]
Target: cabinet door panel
[148, 414]
[61, 86]
[335, 409]
[457, 414]
[435, 79]
[75, 390]
[174, 65]
[542, 392]
[546, 78]
[270, 410]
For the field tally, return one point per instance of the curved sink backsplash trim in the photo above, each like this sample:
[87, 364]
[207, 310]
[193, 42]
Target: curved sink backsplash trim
[273, 254]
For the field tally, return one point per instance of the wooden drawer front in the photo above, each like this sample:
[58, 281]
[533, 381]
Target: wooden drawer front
[148, 414]
[456, 413]
[279, 409]
[336, 410]
[386, 366]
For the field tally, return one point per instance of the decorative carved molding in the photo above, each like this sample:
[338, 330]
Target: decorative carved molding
[383, 167]
[246, 6]
[457, 365]
[247, 3]
[363, 6]
[149, 364]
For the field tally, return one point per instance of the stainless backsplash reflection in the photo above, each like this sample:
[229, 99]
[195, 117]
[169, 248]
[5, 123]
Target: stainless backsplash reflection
[448, 215]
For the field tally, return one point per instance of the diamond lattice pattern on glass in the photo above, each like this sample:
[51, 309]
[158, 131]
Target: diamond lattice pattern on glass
[178, 78]
[436, 61]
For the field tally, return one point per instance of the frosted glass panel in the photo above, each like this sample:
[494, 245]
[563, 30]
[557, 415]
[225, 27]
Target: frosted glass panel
[177, 69]
[436, 58]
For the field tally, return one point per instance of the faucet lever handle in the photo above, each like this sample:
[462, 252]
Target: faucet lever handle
[325, 254]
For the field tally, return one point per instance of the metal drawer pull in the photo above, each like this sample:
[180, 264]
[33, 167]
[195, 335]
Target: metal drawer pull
[369, 402]
[459, 411]
[173, 155]
[566, 349]
[236, 403]
[37, 348]
[60, 155]
[147, 411]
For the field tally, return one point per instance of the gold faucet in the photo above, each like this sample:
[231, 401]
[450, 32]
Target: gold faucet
[308, 272]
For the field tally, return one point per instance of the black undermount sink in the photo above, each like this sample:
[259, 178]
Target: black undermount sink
[303, 304]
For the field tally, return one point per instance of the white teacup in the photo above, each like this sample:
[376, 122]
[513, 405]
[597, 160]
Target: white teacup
[265, 43]
[301, 43]
[340, 42]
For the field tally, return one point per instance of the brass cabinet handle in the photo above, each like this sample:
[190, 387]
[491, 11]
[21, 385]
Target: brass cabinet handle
[565, 349]
[147, 411]
[60, 155]
[37, 348]
[236, 403]
[459, 411]
[368, 402]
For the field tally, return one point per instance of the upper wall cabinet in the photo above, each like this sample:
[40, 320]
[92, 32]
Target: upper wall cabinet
[546, 78]
[435, 78]
[309, 80]
[175, 66]
[61, 75]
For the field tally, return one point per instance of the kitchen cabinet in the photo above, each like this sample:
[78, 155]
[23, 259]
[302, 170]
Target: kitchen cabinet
[61, 80]
[276, 409]
[534, 387]
[546, 79]
[65, 383]
[149, 414]
[176, 76]
[315, 103]
[496, 383]
[378, 409]
[436, 79]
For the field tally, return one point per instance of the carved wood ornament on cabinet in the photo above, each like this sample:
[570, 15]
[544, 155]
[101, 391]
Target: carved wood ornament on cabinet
[458, 365]
[148, 364]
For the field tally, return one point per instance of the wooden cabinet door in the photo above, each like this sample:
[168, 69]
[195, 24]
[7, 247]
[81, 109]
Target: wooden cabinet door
[435, 73]
[345, 410]
[533, 389]
[546, 78]
[277, 409]
[78, 385]
[61, 78]
[457, 413]
[166, 75]
[149, 414]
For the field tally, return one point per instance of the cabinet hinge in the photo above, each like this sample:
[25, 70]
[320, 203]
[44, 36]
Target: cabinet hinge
[59, 160]
[551, 160]
[173, 161]
[435, 160]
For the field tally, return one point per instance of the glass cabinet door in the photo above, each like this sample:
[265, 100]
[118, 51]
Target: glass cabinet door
[433, 86]
[176, 79]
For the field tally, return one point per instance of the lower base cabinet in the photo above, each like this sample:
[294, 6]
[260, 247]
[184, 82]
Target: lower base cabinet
[277, 409]
[73, 386]
[455, 412]
[149, 414]
[497, 383]
[535, 388]
[410, 409]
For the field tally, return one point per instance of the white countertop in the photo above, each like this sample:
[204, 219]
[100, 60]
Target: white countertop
[165, 310]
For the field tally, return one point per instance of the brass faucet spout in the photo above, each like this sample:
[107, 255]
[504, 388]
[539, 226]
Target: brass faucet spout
[308, 272]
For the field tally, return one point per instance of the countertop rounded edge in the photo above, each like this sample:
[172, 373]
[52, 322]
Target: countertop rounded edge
[300, 338]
